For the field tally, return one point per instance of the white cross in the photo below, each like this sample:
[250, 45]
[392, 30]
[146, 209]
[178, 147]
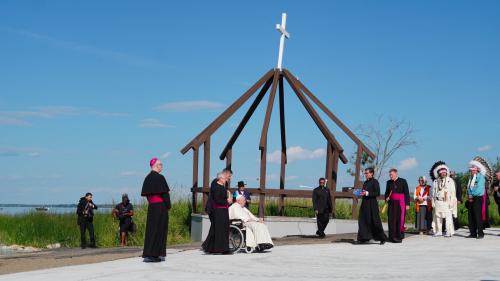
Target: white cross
[281, 29]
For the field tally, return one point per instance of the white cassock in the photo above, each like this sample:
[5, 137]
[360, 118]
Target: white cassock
[444, 203]
[257, 232]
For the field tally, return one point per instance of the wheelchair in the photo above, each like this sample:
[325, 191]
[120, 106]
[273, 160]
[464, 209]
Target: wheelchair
[237, 238]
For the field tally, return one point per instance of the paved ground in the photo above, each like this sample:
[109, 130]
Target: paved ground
[418, 258]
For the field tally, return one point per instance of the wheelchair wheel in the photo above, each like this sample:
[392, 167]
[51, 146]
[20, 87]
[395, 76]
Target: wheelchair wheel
[236, 238]
[249, 250]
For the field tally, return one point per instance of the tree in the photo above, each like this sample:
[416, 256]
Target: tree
[386, 137]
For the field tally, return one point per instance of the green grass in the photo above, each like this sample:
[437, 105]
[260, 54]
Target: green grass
[41, 229]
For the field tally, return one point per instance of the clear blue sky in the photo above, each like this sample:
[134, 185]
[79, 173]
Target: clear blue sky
[86, 88]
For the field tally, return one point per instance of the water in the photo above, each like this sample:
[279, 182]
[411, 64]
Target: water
[53, 210]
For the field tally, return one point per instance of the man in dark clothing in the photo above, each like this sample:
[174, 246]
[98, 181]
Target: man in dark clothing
[322, 205]
[124, 212]
[157, 192]
[496, 190]
[458, 189]
[370, 225]
[397, 195]
[241, 191]
[85, 212]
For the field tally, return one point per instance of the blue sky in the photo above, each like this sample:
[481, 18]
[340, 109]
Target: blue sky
[89, 91]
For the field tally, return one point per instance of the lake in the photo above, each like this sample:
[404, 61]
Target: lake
[54, 210]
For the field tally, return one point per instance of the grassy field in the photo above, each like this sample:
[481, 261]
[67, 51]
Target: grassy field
[41, 229]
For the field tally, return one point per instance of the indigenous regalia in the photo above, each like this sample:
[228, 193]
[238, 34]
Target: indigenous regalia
[444, 201]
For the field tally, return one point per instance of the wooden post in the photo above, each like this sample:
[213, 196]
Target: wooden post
[263, 144]
[206, 170]
[281, 202]
[333, 187]
[195, 180]
[229, 163]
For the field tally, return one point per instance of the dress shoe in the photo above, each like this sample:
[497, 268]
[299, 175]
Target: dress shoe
[471, 236]
[480, 236]
[382, 242]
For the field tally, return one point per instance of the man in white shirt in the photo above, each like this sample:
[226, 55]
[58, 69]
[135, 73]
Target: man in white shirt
[257, 233]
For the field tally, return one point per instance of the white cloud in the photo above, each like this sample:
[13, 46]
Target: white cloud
[129, 174]
[165, 155]
[18, 151]
[485, 148]
[295, 153]
[80, 48]
[188, 106]
[408, 164]
[22, 117]
[291, 178]
[153, 123]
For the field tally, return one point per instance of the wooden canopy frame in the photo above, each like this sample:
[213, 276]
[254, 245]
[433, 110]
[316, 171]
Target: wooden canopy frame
[274, 79]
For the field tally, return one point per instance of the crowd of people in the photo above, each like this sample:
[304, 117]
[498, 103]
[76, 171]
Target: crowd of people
[436, 206]
[436, 209]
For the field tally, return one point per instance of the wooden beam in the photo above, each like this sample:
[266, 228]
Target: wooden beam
[210, 129]
[359, 154]
[229, 163]
[245, 118]
[262, 182]
[281, 203]
[328, 166]
[316, 118]
[195, 181]
[332, 116]
[269, 111]
[206, 170]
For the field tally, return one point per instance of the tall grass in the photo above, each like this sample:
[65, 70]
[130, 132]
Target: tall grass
[41, 229]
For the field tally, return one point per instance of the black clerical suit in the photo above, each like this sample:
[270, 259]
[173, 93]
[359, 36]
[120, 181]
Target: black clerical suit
[322, 205]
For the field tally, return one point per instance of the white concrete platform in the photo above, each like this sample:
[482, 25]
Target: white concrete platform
[417, 258]
[280, 226]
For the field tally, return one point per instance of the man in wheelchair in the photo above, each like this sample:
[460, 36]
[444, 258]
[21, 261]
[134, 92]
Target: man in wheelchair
[257, 233]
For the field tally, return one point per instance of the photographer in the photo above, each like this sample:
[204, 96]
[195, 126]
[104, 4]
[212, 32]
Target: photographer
[124, 212]
[85, 212]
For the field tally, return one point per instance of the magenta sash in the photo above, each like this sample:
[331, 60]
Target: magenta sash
[219, 206]
[483, 208]
[401, 198]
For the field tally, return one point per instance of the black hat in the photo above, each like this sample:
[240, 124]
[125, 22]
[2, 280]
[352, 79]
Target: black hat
[241, 183]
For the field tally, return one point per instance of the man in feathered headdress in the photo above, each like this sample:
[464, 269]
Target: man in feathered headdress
[444, 200]
[475, 191]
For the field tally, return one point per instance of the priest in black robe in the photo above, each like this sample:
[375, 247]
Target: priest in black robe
[369, 222]
[397, 195]
[322, 205]
[217, 241]
[156, 190]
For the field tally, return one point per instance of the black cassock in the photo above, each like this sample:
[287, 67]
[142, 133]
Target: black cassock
[370, 225]
[155, 240]
[217, 240]
[399, 195]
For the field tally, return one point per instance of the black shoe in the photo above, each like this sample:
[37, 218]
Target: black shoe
[471, 236]
[396, 241]
[480, 236]
[382, 242]
[227, 253]
[359, 242]
[318, 233]
[151, 259]
[93, 246]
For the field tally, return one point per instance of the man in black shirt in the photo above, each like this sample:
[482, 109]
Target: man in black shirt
[322, 205]
[85, 212]
[124, 212]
